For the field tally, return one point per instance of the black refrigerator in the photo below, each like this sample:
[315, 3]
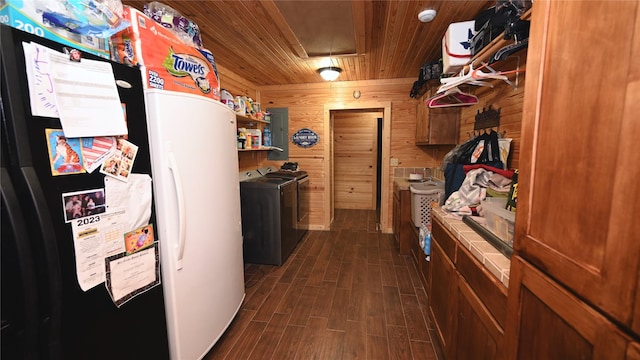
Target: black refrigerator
[45, 313]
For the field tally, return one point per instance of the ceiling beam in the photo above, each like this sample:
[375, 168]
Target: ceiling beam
[359, 27]
[282, 24]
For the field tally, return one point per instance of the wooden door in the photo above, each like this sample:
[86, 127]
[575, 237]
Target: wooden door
[355, 135]
[551, 323]
[578, 190]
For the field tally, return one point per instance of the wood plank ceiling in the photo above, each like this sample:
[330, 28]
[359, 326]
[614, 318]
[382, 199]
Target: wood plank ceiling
[255, 40]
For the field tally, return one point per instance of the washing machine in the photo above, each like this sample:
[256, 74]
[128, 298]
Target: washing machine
[290, 171]
[268, 206]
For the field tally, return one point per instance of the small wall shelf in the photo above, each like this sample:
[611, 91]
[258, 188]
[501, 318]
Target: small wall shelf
[496, 44]
[264, 148]
[249, 119]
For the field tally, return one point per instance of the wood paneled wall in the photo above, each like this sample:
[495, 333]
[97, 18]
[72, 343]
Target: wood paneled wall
[306, 106]
[238, 86]
[235, 84]
[502, 96]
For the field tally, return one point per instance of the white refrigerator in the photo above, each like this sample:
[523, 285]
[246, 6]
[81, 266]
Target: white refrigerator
[195, 166]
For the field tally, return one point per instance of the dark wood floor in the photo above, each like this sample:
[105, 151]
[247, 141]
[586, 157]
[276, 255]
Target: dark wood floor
[342, 294]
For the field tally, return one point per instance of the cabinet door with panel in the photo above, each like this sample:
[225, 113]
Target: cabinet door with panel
[442, 293]
[578, 191]
[553, 324]
[396, 218]
[633, 351]
[419, 257]
[477, 335]
[402, 220]
[436, 126]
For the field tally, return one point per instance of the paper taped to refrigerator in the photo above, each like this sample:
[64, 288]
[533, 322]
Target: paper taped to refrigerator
[86, 96]
[128, 276]
[138, 206]
[43, 101]
[95, 238]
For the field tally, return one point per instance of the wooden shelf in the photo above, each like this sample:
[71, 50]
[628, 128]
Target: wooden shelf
[495, 45]
[249, 119]
[264, 148]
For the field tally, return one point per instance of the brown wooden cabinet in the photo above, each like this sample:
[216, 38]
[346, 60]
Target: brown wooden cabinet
[402, 219]
[436, 126]
[478, 336]
[554, 324]
[578, 190]
[419, 258]
[633, 351]
[442, 295]
[467, 303]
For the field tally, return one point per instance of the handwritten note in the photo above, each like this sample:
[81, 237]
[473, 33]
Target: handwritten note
[43, 102]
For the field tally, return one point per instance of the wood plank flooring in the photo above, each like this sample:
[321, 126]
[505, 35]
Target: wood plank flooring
[342, 294]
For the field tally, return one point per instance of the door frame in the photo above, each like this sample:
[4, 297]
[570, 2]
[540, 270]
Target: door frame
[385, 149]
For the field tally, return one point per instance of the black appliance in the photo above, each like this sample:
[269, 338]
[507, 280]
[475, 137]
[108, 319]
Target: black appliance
[303, 201]
[268, 207]
[45, 314]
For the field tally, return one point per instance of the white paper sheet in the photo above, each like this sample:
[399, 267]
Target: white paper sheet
[87, 97]
[129, 276]
[134, 196]
[43, 102]
[94, 238]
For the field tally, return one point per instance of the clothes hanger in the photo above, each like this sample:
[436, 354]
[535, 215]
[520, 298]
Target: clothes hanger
[463, 78]
[478, 74]
[450, 98]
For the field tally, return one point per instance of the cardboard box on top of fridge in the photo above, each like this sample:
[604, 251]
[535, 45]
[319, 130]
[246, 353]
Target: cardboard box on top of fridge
[165, 61]
[456, 46]
[26, 16]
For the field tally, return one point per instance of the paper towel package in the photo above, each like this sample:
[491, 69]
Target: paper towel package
[166, 62]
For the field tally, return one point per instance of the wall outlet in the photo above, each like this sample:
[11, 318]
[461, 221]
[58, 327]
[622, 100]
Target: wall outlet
[394, 162]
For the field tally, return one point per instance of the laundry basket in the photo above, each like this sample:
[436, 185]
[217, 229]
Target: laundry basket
[422, 196]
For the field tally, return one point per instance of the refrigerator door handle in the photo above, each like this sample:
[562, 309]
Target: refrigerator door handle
[173, 166]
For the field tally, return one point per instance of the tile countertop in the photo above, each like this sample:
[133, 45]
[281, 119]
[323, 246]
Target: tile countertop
[401, 184]
[494, 261]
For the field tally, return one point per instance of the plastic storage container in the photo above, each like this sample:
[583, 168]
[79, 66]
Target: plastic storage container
[423, 195]
[266, 137]
[256, 138]
[500, 221]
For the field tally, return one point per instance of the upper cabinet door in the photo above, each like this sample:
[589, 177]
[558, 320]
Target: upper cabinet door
[436, 126]
[579, 194]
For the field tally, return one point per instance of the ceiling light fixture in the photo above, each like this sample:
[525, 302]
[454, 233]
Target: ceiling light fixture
[329, 73]
[426, 15]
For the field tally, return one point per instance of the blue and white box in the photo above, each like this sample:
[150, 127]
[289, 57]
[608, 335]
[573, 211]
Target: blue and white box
[26, 16]
[456, 46]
